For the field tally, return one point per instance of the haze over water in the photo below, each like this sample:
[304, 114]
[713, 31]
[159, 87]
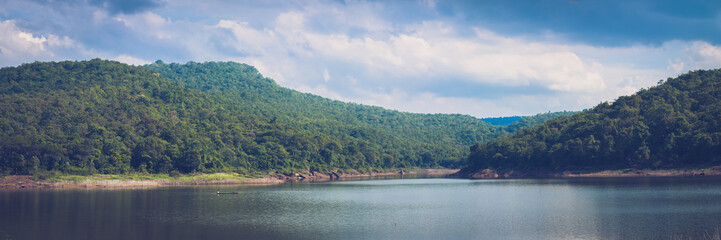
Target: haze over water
[610, 208]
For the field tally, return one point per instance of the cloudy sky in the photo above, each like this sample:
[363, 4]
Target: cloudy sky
[482, 58]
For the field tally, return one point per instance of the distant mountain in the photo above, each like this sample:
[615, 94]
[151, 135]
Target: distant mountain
[502, 121]
[673, 125]
[515, 123]
[530, 121]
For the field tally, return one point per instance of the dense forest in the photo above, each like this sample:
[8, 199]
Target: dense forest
[530, 121]
[247, 91]
[672, 125]
[97, 116]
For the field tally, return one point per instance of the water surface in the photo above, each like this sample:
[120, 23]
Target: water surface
[605, 208]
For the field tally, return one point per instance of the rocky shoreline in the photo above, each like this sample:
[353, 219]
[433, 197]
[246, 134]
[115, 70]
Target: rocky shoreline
[15, 182]
[351, 174]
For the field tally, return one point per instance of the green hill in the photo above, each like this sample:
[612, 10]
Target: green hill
[673, 125]
[106, 117]
[244, 88]
[515, 123]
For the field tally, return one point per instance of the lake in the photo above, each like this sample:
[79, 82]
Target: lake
[433, 208]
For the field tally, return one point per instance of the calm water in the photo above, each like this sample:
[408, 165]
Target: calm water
[612, 208]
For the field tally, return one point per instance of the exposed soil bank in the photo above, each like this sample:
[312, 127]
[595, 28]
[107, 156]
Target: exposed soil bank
[491, 174]
[27, 181]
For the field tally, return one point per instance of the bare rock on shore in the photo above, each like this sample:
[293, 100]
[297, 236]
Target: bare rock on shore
[485, 174]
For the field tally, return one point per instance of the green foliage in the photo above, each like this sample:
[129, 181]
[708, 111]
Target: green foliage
[104, 117]
[675, 124]
[331, 134]
[515, 123]
[530, 121]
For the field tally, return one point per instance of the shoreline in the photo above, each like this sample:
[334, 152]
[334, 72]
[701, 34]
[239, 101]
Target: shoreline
[491, 174]
[20, 182]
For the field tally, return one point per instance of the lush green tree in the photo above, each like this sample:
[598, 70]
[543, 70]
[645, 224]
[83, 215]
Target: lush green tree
[675, 124]
[99, 116]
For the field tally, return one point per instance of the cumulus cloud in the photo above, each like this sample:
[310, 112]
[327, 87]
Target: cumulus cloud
[20, 46]
[131, 60]
[704, 55]
[248, 40]
[148, 22]
[356, 51]
[574, 76]
[17, 46]
[402, 68]
[426, 53]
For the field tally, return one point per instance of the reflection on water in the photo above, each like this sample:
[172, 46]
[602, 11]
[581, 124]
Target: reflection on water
[607, 208]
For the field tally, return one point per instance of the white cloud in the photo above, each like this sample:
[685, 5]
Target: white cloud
[146, 23]
[248, 40]
[16, 42]
[17, 46]
[704, 55]
[380, 67]
[427, 102]
[578, 76]
[326, 75]
[350, 51]
[427, 54]
[131, 60]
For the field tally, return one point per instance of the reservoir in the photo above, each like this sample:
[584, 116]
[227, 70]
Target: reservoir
[416, 208]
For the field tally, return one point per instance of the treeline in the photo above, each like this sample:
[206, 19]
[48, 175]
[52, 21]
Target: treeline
[515, 123]
[530, 121]
[400, 139]
[248, 91]
[106, 117]
[674, 124]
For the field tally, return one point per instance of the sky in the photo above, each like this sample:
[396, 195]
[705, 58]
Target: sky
[481, 58]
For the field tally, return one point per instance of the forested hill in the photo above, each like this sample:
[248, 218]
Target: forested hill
[106, 117]
[245, 88]
[672, 125]
[403, 139]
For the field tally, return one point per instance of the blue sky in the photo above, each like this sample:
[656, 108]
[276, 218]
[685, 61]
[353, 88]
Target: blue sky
[482, 58]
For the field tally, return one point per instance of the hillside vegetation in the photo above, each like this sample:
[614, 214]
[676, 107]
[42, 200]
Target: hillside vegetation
[530, 121]
[440, 137]
[675, 124]
[106, 117]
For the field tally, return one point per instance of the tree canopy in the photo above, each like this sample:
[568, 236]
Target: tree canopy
[100, 116]
[672, 125]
